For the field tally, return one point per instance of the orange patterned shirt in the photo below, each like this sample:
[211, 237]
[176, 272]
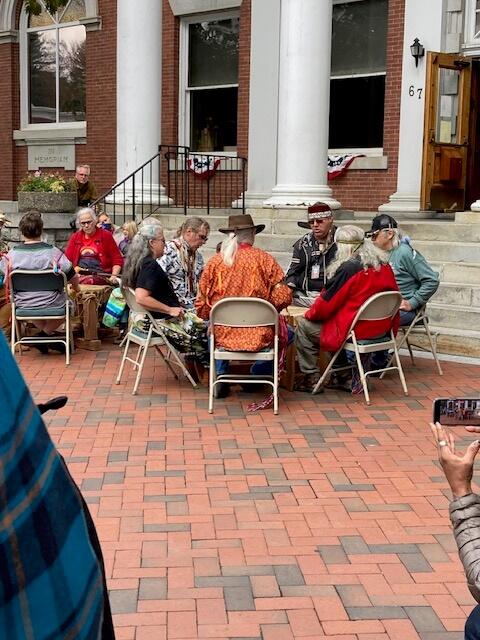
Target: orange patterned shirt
[254, 274]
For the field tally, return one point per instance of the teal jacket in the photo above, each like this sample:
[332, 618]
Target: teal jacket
[416, 280]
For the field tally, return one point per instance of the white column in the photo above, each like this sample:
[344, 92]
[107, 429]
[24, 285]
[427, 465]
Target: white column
[304, 96]
[263, 108]
[139, 82]
[423, 20]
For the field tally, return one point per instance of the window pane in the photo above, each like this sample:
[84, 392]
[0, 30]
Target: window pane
[447, 106]
[213, 53]
[43, 20]
[477, 19]
[42, 76]
[213, 120]
[356, 112]
[74, 11]
[72, 73]
[359, 37]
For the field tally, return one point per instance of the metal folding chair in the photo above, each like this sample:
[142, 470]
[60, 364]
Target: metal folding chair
[418, 326]
[29, 280]
[154, 337]
[243, 313]
[381, 306]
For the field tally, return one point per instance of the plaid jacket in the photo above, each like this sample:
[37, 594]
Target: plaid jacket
[50, 578]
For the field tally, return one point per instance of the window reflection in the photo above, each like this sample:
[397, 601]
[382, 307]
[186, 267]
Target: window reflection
[57, 66]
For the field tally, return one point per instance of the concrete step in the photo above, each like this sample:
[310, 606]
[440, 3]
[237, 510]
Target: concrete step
[449, 315]
[457, 293]
[452, 340]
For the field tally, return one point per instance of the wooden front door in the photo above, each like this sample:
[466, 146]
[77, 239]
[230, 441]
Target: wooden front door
[445, 139]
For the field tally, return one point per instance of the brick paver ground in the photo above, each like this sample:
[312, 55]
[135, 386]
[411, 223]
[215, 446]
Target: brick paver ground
[327, 521]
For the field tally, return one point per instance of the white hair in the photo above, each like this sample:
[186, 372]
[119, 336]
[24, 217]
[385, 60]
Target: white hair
[139, 248]
[229, 247]
[83, 211]
[350, 240]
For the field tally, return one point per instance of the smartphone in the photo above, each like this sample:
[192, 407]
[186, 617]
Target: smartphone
[457, 411]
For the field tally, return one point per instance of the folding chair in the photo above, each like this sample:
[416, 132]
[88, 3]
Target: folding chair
[154, 337]
[418, 326]
[27, 280]
[243, 313]
[381, 306]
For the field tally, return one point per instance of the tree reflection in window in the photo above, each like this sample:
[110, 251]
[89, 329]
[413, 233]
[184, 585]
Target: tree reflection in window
[56, 52]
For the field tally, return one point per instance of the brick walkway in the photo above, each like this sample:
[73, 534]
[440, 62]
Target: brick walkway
[327, 521]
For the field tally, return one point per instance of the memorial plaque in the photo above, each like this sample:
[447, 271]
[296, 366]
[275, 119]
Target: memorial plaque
[42, 156]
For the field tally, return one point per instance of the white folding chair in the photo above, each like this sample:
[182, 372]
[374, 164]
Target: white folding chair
[30, 280]
[154, 337]
[381, 306]
[243, 313]
[418, 326]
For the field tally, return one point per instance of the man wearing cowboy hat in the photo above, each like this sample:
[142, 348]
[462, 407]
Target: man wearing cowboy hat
[312, 254]
[241, 270]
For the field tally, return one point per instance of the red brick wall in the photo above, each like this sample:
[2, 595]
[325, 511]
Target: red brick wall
[367, 190]
[7, 111]
[243, 78]
[100, 150]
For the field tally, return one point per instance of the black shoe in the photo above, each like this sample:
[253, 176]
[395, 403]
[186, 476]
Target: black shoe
[251, 387]
[221, 390]
[43, 348]
[308, 382]
[339, 383]
[57, 346]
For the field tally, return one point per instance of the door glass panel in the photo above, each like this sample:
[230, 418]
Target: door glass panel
[447, 106]
[213, 52]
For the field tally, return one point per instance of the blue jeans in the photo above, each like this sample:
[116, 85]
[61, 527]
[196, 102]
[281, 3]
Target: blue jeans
[472, 626]
[259, 368]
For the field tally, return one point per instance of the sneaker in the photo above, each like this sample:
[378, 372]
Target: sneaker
[308, 382]
[339, 383]
[43, 348]
[57, 346]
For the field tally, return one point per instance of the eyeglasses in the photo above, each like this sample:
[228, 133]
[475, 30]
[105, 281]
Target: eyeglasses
[312, 222]
[203, 237]
[85, 222]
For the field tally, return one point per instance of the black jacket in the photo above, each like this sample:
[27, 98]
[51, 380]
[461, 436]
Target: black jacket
[307, 254]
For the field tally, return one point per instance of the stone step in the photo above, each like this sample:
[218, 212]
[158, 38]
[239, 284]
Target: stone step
[453, 341]
[451, 293]
[449, 315]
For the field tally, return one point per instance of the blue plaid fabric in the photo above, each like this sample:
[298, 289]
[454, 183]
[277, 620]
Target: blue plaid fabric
[51, 585]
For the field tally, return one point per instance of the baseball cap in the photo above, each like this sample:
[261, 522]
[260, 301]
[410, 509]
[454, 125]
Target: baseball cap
[382, 221]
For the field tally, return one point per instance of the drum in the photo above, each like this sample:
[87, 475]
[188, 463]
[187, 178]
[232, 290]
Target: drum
[88, 302]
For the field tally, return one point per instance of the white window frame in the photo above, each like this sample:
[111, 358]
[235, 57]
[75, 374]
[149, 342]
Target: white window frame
[184, 91]
[471, 42]
[51, 130]
[373, 152]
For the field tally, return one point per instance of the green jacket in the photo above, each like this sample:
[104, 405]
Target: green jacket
[416, 280]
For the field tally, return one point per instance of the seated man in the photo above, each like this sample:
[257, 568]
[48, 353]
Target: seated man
[416, 280]
[86, 191]
[241, 270]
[312, 254]
[182, 261]
[38, 255]
[358, 272]
[93, 251]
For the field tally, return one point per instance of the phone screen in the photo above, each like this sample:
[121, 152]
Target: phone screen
[455, 411]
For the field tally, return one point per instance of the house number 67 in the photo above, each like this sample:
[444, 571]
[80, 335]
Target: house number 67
[412, 91]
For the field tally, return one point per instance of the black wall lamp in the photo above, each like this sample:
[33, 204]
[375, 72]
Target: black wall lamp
[417, 50]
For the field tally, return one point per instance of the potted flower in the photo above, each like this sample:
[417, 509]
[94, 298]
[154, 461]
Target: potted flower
[47, 192]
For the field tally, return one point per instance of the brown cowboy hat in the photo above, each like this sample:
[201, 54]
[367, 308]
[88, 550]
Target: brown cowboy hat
[241, 222]
[314, 212]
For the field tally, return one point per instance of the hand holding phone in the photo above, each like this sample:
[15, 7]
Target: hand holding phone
[457, 411]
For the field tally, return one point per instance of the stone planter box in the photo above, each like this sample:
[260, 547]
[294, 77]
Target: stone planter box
[47, 202]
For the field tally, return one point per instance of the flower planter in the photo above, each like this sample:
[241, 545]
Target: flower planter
[47, 202]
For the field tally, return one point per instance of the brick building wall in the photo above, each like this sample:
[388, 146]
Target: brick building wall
[366, 190]
[100, 149]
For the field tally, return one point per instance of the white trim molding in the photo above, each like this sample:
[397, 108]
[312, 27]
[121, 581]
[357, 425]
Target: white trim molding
[188, 7]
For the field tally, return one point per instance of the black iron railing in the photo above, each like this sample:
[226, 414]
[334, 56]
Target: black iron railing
[175, 178]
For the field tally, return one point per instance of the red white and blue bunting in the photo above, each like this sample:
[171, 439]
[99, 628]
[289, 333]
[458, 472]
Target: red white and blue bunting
[338, 165]
[203, 167]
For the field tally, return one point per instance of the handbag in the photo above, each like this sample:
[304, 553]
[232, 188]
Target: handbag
[114, 310]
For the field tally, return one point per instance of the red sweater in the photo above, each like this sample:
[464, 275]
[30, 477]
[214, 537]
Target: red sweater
[105, 246]
[344, 294]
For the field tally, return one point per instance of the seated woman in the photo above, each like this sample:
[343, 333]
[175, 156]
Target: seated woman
[93, 251]
[37, 255]
[129, 229]
[358, 271]
[153, 290]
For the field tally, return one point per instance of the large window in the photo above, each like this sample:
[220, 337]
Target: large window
[56, 65]
[357, 86]
[472, 24]
[209, 92]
